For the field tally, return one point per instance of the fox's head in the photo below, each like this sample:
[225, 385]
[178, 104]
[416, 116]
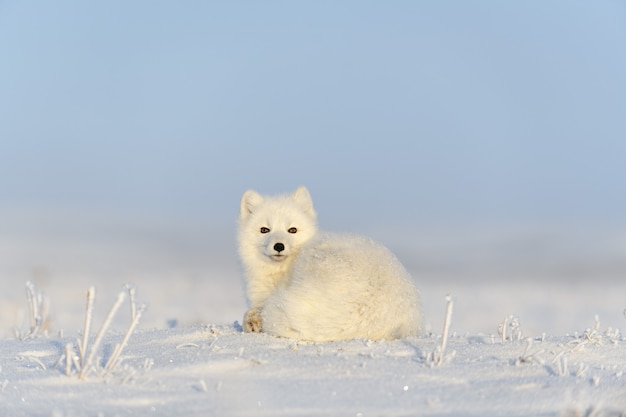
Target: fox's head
[272, 229]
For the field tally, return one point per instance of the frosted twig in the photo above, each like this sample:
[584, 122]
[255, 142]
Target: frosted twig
[33, 307]
[112, 362]
[103, 329]
[68, 359]
[446, 324]
[590, 336]
[84, 361]
[82, 347]
[37, 310]
[502, 329]
[510, 329]
[133, 305]
[437, 357]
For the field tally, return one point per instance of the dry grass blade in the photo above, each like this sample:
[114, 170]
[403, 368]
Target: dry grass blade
[113, 360]
[120, 298]
[37, 311]
[82, 347]
[438, 356]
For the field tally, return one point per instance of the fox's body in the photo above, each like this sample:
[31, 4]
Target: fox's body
[308, 285]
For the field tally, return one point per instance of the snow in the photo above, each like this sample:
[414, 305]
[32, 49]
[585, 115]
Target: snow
[189, 357]
[218, 370]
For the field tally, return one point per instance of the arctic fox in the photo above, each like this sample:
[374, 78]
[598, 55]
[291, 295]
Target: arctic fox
[308, 285]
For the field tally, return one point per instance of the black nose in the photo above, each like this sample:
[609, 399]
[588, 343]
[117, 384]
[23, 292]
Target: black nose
[279, 247]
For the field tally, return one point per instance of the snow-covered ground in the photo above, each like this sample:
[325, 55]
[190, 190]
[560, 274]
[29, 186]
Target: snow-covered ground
[189, 356]
[217, 370]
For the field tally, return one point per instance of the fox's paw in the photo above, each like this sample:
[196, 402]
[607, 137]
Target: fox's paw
[252, 321]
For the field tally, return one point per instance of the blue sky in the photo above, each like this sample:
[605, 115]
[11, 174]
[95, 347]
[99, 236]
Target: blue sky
[403, 113]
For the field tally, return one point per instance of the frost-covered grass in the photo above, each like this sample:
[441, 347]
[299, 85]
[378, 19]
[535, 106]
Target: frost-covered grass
[37, 311]
[84, 362]
[218, 370]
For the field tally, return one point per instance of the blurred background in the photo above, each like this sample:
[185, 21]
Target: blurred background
[483, 142]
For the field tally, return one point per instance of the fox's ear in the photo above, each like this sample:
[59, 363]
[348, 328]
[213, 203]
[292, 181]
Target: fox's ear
[249, 201]
[303, 198]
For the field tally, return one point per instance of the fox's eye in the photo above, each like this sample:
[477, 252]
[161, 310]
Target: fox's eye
[265, 230]
[292, 230]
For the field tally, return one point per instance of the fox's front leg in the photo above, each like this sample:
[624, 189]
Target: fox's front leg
[252, 321]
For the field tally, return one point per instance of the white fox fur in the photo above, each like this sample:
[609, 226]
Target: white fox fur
[308, 285]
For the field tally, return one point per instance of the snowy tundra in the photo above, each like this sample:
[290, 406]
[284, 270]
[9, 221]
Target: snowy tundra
[307, 285]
